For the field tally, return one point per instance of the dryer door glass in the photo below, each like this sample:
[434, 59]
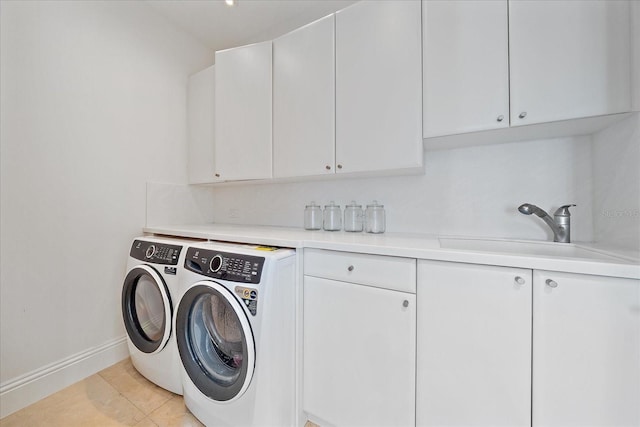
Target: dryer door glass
[215, 340]
[146, 309]
[149, 308]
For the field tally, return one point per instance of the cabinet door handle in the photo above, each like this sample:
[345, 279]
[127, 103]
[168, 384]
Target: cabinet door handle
[500, 118]
[519, 280]
[523, 115]
[328, 167]
[217, 175]
[551, 283]
[339, 166]
[405, 303]
[350, 268]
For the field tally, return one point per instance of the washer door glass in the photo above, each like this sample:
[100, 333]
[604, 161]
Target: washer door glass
[146, 309]
[215, 341]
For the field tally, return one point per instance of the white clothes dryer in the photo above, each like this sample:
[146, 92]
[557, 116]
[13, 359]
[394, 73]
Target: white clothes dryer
[149, 293]
[235, 326]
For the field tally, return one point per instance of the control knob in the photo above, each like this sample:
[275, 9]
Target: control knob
[216, 263]
[151, 250]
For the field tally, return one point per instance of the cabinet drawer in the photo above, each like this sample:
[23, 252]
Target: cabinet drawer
[373, 270]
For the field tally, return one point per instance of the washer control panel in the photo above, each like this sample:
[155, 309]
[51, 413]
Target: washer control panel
[232, 267]
[157, 253]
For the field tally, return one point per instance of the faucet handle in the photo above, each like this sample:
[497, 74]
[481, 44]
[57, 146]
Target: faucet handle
[563, 210]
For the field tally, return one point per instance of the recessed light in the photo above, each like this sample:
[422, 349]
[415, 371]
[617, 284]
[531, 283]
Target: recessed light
[229, 2]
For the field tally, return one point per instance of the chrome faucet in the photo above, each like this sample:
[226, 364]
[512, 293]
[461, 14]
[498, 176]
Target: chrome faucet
[560, 224]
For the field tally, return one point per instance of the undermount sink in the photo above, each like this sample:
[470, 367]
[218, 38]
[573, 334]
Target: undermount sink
[527, 248]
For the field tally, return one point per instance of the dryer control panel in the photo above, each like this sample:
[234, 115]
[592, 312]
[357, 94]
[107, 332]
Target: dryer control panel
[232, 267]
[157, 253]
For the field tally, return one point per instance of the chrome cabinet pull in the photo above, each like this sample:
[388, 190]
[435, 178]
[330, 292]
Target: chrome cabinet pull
[523, 115]
[500, 118]
[328, 167]
[519, 280]
[350, 268]
[551, 283]
[405, 303]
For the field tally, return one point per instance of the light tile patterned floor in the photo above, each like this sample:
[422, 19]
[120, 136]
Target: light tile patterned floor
[116, 396]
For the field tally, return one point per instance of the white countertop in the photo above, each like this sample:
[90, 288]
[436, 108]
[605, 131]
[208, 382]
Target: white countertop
[421, 246]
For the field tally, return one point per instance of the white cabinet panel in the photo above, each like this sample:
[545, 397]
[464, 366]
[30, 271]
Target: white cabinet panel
[243, 112]
[304, 101]
[381, 271]
[466, 66]
[586, 350]
[378, 86]
[474, 345]
[568, 59]
[359, 354]
[635, 55]
[201, 126]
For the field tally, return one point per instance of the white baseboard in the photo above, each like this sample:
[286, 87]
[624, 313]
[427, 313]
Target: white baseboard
[22, 391]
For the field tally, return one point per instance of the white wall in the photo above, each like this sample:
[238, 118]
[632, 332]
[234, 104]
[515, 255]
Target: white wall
[93, 105]
[616, 176]
[469, 191]
[635, 54]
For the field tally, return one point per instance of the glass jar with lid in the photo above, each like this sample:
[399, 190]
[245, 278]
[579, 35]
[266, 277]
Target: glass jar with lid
[375, 218]
[353, 217]
[313, 217]
[332, 217]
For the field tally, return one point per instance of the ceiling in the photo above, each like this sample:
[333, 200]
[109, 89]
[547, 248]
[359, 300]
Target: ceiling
[219, 26]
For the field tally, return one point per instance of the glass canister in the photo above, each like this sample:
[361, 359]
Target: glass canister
[313, 217]
[332, 217]
[353, 217]
[375, 218]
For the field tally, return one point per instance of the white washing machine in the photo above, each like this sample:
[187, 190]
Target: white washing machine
[235, 326]
[149, 294]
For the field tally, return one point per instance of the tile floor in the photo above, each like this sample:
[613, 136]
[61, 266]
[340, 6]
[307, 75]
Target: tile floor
[116, 396]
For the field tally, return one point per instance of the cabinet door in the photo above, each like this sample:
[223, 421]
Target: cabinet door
[201, 126]
[378, 86]
[359, 354]
[243, 112]
[568, 59]
[586, 350]
[474, 345]
[466, 66]
[304, 101]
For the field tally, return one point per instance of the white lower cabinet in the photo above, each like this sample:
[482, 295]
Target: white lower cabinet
[586, 350]
[474, 345]
[391, 343]
[359, 348]
[500, 346]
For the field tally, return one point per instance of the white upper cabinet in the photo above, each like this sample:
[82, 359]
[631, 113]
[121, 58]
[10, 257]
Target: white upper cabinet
[304, 101]
[568, 59]
[201, 127]
[243, 112]
[378, 86]
[586, 350]
[495, 64]
[466, 66]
